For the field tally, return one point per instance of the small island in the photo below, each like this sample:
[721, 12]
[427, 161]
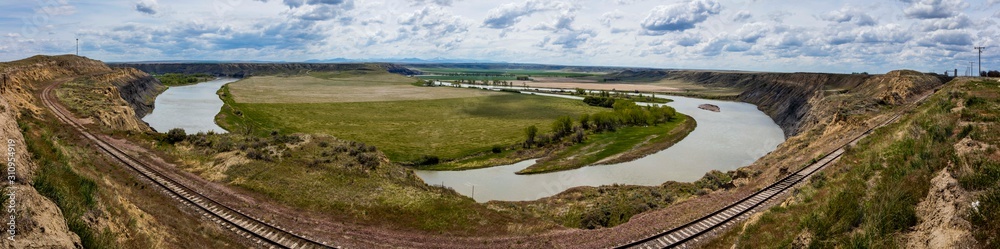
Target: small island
[709, 107]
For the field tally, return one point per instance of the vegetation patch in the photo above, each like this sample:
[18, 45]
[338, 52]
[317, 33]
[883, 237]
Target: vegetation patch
[176, 79]
[347, 180]
[626, 133]
[609, 206]
[73, 193]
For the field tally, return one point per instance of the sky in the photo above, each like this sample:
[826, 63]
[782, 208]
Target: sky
[755, 35]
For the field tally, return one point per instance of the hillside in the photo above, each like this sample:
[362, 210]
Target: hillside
[67, 195]
[928, 181]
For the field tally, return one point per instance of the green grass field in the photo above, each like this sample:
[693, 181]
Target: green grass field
[409, 130]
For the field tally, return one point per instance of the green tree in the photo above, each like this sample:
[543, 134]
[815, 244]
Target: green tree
[585, 121]
[562, 126]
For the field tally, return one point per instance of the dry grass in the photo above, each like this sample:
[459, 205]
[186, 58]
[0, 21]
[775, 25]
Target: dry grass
[369, 88]
[570, 84]
[684, 86]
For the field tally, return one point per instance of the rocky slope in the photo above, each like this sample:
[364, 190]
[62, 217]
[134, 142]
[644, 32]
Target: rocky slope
[242, 70]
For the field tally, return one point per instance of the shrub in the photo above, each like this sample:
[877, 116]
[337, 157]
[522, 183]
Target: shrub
[428, 160]
[531, 132]
[579, 136]
[497, 149]
[176, 135]
[562, 127]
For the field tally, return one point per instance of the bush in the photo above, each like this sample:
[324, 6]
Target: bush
[428, 160]
[606, 102]
[531, 132]
[497, 149]
[176, 135]
[562, 126]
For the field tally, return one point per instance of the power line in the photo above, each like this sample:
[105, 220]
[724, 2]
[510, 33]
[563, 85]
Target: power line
[980, 58]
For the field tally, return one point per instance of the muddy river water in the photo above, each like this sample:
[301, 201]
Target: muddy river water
[191, 108]
[737, 136]
[726, 140]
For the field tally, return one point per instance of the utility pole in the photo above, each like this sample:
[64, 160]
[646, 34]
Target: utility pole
[972, 67]
[980, 58]
[77, 46]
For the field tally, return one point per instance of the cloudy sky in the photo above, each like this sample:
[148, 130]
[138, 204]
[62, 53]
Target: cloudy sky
[761, 35]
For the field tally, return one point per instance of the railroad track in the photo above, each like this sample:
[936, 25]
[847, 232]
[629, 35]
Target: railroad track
[258, 232]
[693, 232]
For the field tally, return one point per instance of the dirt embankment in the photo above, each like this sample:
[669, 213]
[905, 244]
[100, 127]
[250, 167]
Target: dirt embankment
[39, 223]
[243, 70]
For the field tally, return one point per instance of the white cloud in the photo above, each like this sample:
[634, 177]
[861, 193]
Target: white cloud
[58, 8]
[438, 2]
[850, 15]
[609, 17]
[511, 13]
[849, 35]
[960, 21]
[680, 16]
[742, 16]
[932, 9]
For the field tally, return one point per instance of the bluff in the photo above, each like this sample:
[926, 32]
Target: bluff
[242, 70]
[132, 90]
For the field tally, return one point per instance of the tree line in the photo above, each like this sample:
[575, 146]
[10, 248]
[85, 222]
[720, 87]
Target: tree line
[624, 113]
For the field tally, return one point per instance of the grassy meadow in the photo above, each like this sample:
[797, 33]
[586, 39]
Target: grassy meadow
[409, 130]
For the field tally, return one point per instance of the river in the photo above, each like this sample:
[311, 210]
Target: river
[737, 136]
[192, 108]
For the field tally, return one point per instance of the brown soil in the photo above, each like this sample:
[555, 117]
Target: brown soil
[941, 223]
